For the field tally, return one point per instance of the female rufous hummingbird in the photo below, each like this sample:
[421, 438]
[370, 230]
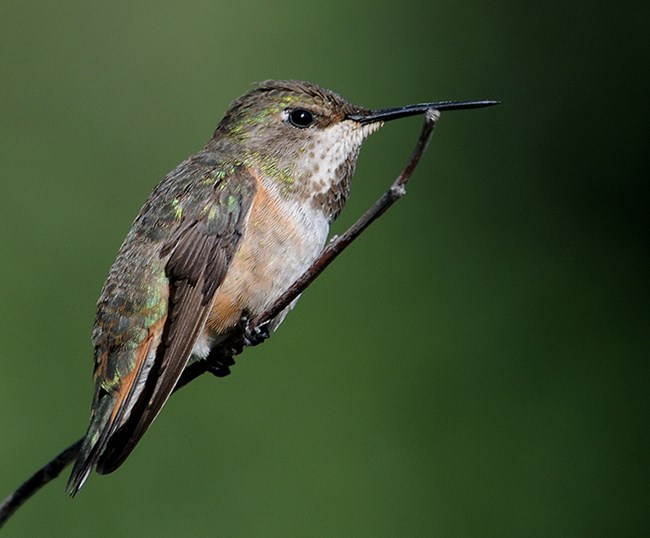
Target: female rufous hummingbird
[221, 237]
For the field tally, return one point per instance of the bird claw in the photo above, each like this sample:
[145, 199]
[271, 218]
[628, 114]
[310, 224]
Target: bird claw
[221, 366]
[254, 336]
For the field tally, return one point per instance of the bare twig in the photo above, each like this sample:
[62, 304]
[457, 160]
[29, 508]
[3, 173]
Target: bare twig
[233, 345]
[41, 477]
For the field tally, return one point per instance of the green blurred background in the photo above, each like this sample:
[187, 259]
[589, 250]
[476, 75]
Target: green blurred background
[476, 365]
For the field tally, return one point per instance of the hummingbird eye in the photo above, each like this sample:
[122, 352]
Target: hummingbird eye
[301, 118]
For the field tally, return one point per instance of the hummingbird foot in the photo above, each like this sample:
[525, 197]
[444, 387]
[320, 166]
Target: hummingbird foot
[257, 335]
[254, 336]
[220, 361]
[222, 357]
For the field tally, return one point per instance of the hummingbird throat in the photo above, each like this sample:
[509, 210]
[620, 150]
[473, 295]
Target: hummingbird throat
[325, 164]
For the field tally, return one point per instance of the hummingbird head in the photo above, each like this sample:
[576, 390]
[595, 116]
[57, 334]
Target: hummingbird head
[305, 139]
[299, 137]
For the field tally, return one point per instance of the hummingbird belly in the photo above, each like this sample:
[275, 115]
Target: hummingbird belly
[283, 238]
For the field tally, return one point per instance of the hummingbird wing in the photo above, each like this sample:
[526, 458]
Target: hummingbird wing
[144, 339]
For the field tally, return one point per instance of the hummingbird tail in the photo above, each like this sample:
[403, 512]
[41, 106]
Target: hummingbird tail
[78, 479]
[91, 447]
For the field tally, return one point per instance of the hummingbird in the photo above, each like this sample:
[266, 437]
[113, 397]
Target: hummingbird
[220, 237]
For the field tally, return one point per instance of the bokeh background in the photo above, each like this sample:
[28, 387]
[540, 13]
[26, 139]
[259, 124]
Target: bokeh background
[476, 365]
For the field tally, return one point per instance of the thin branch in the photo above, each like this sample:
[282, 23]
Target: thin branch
[234, 345]
[41, 477]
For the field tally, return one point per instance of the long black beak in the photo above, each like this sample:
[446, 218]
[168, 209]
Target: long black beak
[388, 114]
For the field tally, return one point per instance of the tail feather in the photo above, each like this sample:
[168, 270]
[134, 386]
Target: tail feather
[91, 447]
